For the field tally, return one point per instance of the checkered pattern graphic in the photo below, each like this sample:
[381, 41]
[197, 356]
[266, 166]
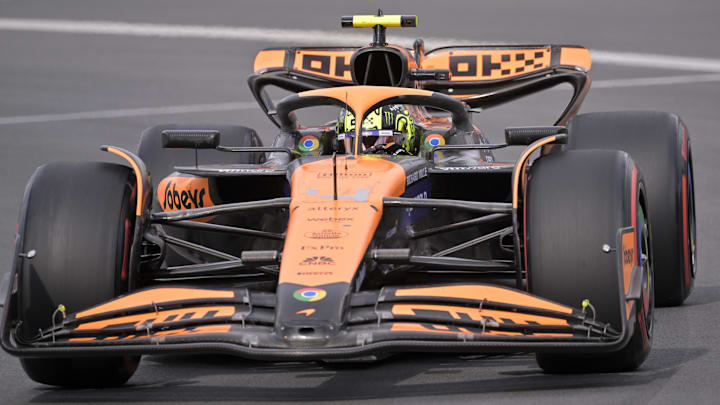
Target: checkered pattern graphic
[519, 62]
[489, 64]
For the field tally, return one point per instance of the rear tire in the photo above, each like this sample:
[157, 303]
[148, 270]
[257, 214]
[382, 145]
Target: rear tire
[161, 162]
[79, 219]
[660, 145]
[576, 202]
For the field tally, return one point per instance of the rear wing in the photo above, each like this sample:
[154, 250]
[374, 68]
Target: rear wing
[481, 76]
[480, 64]
[326, 64]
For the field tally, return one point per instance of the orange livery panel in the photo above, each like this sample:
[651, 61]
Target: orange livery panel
[269, 59]
[327, 238]
[156, 296]
[484, 292]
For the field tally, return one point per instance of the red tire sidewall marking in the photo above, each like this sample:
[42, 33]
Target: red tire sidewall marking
[525, 264]
[640, 310]
[686, 242]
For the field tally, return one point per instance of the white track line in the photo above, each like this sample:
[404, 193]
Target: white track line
[655, 81]
[129, 112]
[317, 37]
[198, 108]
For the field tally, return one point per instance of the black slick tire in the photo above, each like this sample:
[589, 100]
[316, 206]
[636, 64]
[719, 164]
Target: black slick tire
[660, 145]
[576, 203]
[79, 219]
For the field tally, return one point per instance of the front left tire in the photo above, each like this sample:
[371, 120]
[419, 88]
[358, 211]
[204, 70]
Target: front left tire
[79, 220]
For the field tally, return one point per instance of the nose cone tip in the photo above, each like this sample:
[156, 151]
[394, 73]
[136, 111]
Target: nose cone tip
[307, 335]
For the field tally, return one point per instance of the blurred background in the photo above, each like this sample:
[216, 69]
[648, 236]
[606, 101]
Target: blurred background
[76, 74]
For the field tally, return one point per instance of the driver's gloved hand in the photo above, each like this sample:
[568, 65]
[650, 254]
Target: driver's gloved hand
[394, 149]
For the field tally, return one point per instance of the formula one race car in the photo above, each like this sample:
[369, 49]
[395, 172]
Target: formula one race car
[390, 229]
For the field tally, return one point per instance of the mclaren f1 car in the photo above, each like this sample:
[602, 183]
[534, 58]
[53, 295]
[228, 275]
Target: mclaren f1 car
[391, 229]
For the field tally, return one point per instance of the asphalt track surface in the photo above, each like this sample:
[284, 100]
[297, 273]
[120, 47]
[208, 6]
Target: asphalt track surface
[62, 94]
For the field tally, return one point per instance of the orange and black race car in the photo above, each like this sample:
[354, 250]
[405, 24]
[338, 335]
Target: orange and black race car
[389, 229]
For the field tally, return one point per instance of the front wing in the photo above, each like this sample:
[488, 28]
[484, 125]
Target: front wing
[462, 318]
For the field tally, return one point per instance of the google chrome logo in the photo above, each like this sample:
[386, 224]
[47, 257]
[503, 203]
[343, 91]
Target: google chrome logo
[309, 294]
[434, 140]
[308, 143]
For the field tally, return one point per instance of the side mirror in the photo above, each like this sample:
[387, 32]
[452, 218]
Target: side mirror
[190, 138]
[528, 135]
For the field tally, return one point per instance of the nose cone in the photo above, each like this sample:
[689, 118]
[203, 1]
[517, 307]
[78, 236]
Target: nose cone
[326, 237]
[310, 316]
[326, 243]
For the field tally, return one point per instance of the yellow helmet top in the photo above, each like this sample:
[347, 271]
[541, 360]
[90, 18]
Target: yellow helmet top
[389, 121]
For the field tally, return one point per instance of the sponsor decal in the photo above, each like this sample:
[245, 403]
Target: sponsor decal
[244, 170]
[628, 256]
[506, 64]
[191, 330]
[467, 65]
[315, 273]
[306, 312]
[629, 261]
[317, 261]
[345, 175]
[463, 168]
[331, 219]
[165, 317]
[361, 195]
[335, 208]
[353, 166]
[308, 143]
[321, 247]
[309, 294]
[178, 193]
[433, 140]
[415, 176]
[333, 64]
[449, 313]
[326, 234]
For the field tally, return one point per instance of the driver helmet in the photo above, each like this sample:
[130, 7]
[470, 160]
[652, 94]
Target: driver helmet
[390, 123]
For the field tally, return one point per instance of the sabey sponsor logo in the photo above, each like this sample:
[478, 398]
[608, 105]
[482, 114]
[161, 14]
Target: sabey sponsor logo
[175, 199]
